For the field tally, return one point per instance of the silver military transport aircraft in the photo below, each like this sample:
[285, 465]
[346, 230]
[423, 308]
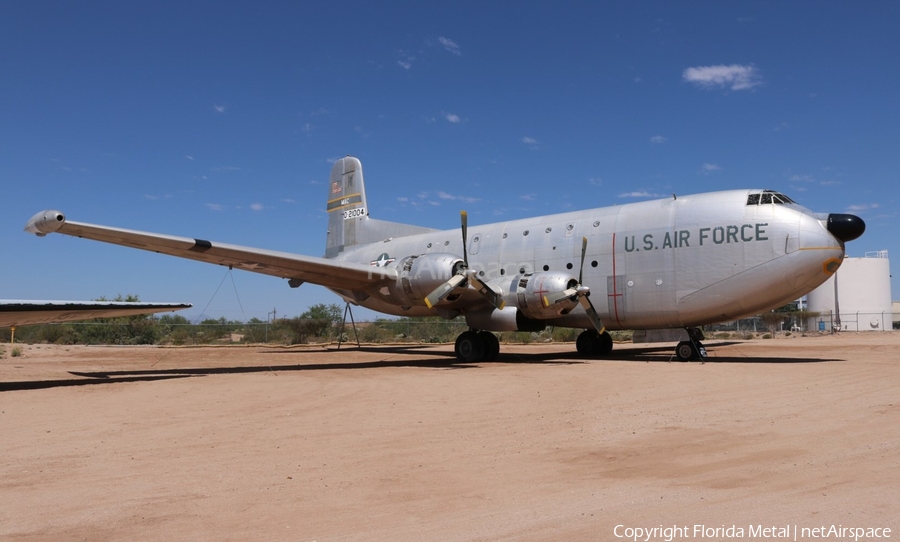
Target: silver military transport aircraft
[679, 262]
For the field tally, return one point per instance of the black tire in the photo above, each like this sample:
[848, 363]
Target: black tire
[605, 344]
[686, 351]
[588, 343]
[491, 345]
[469, 347]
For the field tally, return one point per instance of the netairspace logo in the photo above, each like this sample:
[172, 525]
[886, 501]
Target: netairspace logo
[751, 532]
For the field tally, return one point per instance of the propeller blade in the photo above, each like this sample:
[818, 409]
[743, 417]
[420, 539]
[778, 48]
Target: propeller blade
[442, 291]
[486, 290]
[464, 221]
[552, 299]
[583, 252]
[592, 313]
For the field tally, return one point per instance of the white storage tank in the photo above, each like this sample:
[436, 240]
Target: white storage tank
[863, 287]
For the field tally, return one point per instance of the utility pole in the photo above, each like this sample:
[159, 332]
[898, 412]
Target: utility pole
[273, 313]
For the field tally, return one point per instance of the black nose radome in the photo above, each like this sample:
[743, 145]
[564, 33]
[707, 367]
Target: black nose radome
[845, 227]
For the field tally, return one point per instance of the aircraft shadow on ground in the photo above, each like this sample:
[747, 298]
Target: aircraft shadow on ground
[660, 354]
[441, 360]
[44, 384]
[438, 359]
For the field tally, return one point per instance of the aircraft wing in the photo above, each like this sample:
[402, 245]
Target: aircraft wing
[322, 271]
[20, 313]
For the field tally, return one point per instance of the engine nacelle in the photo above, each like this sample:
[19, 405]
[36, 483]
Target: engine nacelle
[45, 222]
[527, 294]
[525, 310]
[419, 275]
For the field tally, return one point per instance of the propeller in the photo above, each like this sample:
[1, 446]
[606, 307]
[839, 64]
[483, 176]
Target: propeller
[582, 292]
[463, 276]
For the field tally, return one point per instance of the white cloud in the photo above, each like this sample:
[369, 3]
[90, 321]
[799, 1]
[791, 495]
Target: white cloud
[404, 59]
[735, 76]
[219, 108]
[707, 168]
[450, 45]
[658, 139]
[454, 118]
[189, 157]
[450, 197]
[531, 142]
[215, 206]
[802, 179]
[864, 207]
[641, 194]
[528, 197]
[257, 206]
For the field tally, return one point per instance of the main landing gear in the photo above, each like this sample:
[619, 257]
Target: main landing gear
[472, 346]
[691, 349]
[590, 343]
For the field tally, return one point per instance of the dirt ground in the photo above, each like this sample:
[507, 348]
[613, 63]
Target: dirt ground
[403, 443]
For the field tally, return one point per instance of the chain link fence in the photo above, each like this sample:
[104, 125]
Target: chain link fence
[150, 330]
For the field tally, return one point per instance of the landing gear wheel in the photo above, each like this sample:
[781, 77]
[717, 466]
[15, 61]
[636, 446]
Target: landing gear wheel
[491, 345]
[605, 344]
[469, 347]
[686, 351]
[590, 343]
[587, 342]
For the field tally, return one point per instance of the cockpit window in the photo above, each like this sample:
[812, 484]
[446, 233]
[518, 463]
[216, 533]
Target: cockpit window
[768, 196]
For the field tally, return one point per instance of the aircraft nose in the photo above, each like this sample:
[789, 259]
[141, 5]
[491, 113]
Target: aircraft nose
[845, 227]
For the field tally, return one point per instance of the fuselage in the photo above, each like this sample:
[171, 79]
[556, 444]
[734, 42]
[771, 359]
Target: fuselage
[676, 262]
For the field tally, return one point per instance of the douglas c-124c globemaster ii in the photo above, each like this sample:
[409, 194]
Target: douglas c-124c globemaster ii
[679, 262]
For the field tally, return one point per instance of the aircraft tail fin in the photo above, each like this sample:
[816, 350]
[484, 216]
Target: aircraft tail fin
[348, 213]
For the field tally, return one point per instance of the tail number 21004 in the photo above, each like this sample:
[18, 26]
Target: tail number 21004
[354, 213]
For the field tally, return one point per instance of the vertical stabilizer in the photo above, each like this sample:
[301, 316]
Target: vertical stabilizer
[346, 205]
[348, 215]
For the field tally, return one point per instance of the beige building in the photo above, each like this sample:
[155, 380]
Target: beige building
[856, 298]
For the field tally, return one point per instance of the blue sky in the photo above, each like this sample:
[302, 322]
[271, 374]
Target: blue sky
[220, 120]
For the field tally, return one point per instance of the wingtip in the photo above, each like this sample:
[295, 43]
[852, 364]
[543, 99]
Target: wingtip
[45, 222]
